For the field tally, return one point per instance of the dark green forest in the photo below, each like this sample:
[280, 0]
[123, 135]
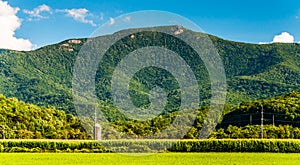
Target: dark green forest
[236, 122]
[281, 118]
[26, 121]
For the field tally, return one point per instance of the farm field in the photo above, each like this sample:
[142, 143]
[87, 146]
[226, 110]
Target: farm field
[160, 158]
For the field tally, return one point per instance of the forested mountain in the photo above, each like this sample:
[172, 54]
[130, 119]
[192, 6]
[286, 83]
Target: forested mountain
[44, 76]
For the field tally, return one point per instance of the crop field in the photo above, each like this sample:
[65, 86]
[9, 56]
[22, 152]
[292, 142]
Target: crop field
[159, 158]
[206, 152]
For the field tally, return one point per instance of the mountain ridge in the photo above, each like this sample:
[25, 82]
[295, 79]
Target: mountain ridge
[43, 76]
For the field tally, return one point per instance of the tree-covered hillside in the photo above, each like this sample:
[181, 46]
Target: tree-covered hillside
[26, 121]
[19, 120]
[283, 109]
[44, 76]
[281, 118]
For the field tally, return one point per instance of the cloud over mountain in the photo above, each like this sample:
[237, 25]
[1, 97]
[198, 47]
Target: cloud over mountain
[284, 37]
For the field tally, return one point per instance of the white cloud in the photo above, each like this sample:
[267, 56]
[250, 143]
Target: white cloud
[78, 15]
[36, 12]
[284, 37]
[9, 23]
[111, 21]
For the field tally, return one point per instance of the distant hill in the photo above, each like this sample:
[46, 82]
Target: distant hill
[281, 118]
[281, 110]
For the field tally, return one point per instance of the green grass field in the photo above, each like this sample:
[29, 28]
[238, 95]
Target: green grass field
[160, 158]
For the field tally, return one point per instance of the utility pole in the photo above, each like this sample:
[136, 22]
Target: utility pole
[262, 121]
[95, 122]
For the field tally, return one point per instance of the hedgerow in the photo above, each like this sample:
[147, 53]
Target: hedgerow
[215, 145]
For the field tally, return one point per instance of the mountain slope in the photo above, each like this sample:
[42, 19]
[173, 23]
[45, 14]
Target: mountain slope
[19, 120]
[44, 76]
[281, 118]
[280, 110]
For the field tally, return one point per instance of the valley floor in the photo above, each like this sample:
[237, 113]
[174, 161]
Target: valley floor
[160, 158]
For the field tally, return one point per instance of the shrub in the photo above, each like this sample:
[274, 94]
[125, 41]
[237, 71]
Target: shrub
[209, 145]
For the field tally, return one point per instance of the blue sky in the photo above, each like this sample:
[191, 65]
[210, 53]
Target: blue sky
[42, 22]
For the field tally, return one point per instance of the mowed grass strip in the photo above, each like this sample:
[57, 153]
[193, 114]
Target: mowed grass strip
[159, 158]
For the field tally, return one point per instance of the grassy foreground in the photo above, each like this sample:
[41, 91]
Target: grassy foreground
[160, 158]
